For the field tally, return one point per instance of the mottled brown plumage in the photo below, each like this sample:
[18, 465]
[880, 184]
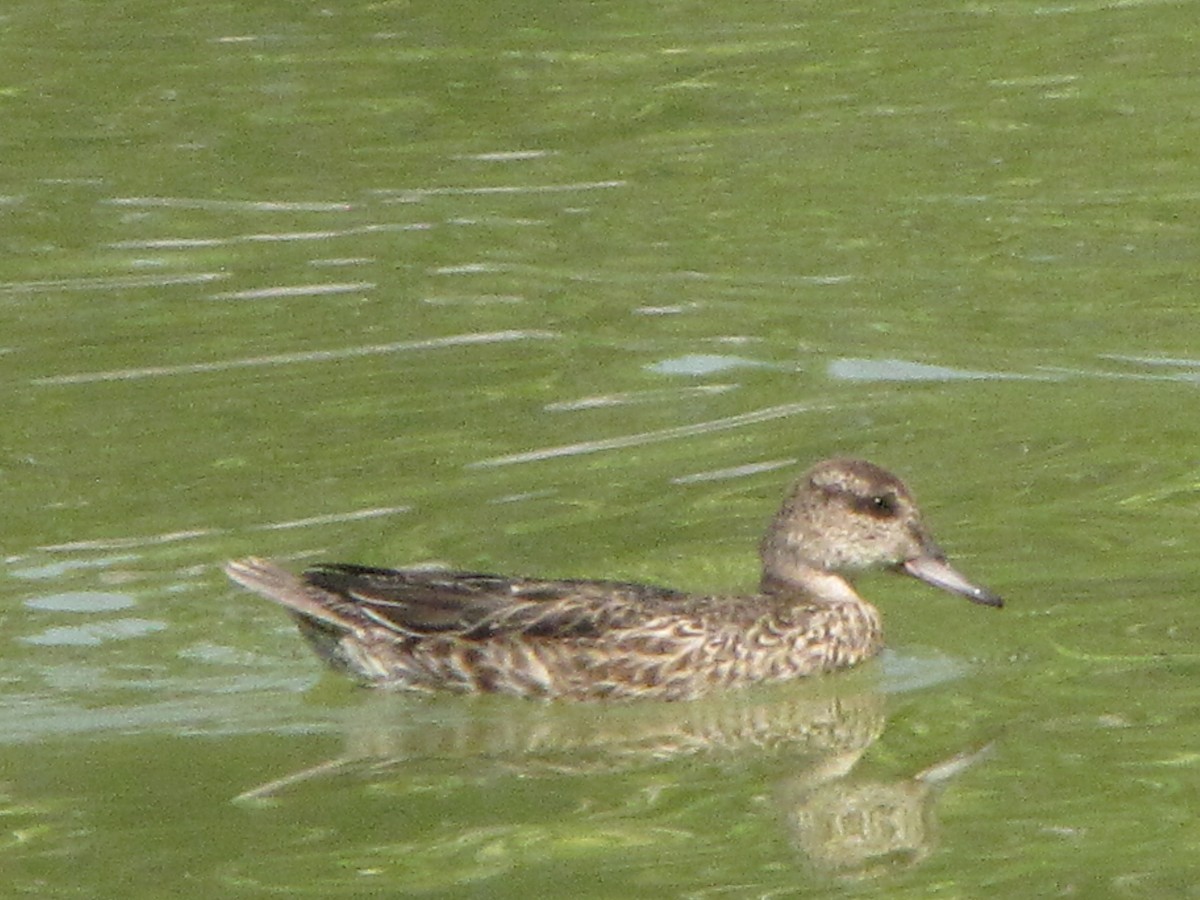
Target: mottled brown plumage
[434, 630]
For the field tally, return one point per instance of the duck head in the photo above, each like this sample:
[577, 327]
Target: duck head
[847, 515]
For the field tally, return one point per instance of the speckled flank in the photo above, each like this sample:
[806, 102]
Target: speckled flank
[583, 640]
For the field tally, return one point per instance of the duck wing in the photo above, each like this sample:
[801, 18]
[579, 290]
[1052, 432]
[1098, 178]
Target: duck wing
[475, 606]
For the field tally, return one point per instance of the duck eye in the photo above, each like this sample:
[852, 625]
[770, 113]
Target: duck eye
[884, 505]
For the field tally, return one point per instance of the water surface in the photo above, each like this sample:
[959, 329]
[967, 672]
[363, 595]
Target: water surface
[575, 292]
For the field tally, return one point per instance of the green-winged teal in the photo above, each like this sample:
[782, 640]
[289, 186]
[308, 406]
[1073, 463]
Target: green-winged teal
[428, 630]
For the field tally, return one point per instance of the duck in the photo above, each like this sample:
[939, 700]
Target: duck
[428, 630]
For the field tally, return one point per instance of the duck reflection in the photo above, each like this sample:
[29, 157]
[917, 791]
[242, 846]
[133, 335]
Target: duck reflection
[807, 743]
[863, 828]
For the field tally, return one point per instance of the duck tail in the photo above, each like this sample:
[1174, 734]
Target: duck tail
[292, 591]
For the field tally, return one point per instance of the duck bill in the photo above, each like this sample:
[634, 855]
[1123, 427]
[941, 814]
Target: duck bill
[936, 571]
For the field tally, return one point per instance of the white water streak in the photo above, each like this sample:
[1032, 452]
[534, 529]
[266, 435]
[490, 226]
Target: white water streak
[283, 359]
[654, 437]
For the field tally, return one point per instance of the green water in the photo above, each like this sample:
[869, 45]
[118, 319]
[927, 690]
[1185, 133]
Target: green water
[575, 290]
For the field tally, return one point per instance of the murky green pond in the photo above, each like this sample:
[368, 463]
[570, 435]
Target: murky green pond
[574, 291]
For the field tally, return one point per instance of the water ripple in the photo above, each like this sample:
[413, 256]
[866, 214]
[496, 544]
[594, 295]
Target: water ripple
[741, 471]
[296, 290]
[415, 195]
[115, 283]
[330, 518]
[653, 437]
[283, 359]
[281, 237]
[246, 205]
